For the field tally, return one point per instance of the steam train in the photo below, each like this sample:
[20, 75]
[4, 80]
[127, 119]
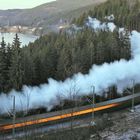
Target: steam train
[52, 117]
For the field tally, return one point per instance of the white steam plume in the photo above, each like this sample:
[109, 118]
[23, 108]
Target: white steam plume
[98, 25]
[118, 73]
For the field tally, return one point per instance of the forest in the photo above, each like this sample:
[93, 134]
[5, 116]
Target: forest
[60, 55]
[126, 13]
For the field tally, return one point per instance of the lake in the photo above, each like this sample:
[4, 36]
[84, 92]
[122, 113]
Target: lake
[24, 38]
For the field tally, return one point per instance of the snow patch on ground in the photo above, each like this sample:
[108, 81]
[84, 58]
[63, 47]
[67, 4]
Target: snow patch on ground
[126, 128]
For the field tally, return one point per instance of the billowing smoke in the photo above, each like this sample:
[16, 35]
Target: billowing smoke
[98, 25]
[119, 73]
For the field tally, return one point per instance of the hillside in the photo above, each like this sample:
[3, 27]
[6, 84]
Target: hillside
[126, 13]
[46, 14]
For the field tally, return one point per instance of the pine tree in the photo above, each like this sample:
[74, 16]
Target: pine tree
[28, 66]
[8, 65]
[3, 65]
[16, 43]
[64, 66]
[16, 72]
[125, 46]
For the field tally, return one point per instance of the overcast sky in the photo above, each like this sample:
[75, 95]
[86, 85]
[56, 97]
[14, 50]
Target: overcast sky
[20, 4]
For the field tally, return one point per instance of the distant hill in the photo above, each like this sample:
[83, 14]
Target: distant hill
[48, 14]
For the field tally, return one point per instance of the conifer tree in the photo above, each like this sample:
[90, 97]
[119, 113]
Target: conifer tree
[125, 45]
[2, 65]
[16, 69]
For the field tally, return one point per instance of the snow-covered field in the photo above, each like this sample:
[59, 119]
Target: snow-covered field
[126, 126]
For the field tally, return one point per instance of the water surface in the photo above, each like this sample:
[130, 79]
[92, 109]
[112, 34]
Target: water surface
[24, 38]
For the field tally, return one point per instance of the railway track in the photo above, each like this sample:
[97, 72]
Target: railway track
[66, 114]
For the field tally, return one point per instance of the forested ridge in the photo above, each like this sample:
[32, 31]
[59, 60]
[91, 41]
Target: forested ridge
[60, 55]
[126, 12]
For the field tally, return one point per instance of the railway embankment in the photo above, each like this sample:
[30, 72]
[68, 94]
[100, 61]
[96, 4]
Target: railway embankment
[117, 125]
